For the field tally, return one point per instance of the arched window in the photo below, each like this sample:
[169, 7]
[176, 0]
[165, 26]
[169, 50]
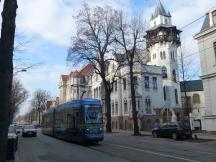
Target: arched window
[166, 22]
[113, 108]
[174, 75]
[154, 56]
[164, 72]
[125, 106]
[164, 92]
[196, 98]
[164, 55]
[172, 55]
[116, 108]
[113, 67]
[176, 96]
[161, 55]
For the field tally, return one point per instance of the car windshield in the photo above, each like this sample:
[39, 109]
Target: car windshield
[29, 127]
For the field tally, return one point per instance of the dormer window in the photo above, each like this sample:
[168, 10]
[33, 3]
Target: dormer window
[214, 17]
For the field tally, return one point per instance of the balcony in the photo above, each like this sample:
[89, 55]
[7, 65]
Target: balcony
[151, 40]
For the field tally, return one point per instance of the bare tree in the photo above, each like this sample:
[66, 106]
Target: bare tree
[39, 101]
[93, 44]
[19, 95]
[130, 42]
[186, 73]
[6, 70]
[188, 65]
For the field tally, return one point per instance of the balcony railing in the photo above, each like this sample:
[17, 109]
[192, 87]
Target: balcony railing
[162, 38]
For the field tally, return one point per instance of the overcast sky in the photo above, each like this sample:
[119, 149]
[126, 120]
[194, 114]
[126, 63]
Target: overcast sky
[47, 25]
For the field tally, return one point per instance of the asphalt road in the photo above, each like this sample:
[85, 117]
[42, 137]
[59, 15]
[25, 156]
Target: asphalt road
[117, 147]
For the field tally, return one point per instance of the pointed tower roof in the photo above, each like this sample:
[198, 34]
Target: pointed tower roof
[159, 10]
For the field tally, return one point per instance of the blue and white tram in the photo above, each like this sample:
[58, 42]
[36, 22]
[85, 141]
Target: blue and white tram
[77, 121]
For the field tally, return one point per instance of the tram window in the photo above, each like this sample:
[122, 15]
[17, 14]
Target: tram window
[79, 117]
[77, 114]
[70, 121]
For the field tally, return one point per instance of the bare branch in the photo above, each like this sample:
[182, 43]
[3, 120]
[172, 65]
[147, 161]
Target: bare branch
[19, 95]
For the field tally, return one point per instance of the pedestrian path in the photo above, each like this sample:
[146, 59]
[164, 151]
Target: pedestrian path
[205, 135]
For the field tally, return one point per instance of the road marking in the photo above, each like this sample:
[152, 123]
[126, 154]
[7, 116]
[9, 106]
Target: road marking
[154, 153]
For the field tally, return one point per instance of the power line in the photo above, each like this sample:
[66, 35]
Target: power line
[192, 22]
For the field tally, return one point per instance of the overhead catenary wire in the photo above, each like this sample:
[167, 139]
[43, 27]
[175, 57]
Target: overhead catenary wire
[185, 26]
[190, 23]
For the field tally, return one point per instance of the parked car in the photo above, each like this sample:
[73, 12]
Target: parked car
[29, 130]
[174, 130]
[37, 126]
[19, 129]
[13, 136]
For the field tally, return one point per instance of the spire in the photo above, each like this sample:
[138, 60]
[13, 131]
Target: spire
[159, 10]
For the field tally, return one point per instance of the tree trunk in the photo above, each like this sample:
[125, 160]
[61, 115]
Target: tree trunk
[6, 70]
[39, 118]
[133, 101]
[108, 111]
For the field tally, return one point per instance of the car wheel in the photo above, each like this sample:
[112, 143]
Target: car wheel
[190, 136]
[174, 136]
[155, 135]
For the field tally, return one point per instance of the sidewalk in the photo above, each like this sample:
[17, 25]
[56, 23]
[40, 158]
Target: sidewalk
[130, 132]
[205, 135]
[200, 135]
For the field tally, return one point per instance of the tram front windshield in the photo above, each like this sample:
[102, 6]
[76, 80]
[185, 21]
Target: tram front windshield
[93, 114]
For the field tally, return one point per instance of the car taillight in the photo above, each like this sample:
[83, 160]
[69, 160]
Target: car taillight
[179, 129]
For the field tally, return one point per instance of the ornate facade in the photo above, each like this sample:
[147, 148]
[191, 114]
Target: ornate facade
[207, 49]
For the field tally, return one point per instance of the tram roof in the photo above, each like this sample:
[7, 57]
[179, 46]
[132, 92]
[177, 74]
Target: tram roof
[75, 103]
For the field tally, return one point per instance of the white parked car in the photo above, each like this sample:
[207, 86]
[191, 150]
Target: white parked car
[12, 135]
[29, 130]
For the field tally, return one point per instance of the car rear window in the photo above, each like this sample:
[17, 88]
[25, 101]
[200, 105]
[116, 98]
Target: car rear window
[173, 125]
[29, 127]
[182, 124]
[11, 130]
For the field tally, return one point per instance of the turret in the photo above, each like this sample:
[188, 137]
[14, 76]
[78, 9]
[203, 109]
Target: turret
[162, 41]
[161, 28]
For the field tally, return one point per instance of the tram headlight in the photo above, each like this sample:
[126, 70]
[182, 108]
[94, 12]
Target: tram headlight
[101, 129]
[87, 130]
